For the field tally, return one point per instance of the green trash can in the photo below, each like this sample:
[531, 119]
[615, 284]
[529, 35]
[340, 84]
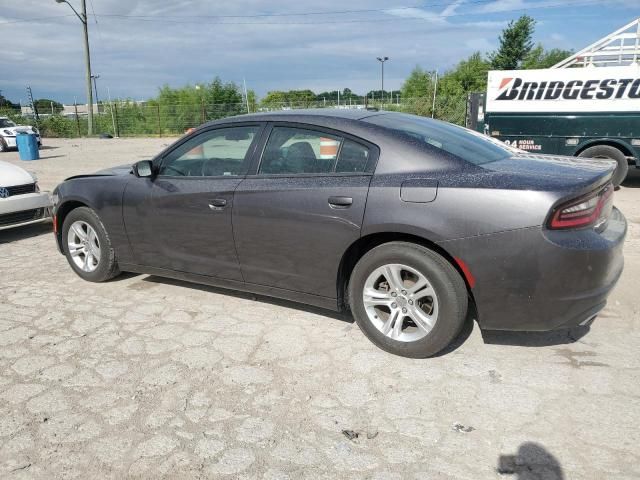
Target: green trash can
[28, 146]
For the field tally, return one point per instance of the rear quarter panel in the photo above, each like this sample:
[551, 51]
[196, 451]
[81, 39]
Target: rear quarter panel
[458, 211]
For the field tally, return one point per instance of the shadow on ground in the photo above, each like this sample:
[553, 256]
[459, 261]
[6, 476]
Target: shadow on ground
[344, 317]
[523, 339]
[534, 339]
[22, 233]
[531, 462]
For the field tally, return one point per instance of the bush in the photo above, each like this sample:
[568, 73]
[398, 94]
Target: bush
[57, 126]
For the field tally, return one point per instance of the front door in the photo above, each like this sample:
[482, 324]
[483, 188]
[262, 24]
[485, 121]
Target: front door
[181, 218]
[295, 217]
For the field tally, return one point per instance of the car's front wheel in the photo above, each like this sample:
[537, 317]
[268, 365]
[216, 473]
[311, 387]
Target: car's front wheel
[87, 246]
[407, 299]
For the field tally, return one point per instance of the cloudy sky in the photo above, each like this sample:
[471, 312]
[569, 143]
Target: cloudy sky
[139, 45]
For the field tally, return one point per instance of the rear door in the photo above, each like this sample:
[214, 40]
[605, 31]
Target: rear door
[301, 207]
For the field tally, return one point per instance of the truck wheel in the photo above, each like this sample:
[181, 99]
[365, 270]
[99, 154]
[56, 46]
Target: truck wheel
[612, 153]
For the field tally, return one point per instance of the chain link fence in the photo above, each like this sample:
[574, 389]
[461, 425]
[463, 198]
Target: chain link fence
[122, 119]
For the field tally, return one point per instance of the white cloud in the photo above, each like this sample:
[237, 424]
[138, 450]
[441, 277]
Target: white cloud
[135, 57]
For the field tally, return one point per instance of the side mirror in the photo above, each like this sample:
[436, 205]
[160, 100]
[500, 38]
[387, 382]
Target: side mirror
[143, 168]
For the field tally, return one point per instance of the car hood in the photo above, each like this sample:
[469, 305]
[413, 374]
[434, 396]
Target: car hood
[552, 172]
[107, 172]
[11, 175]
[119, 170]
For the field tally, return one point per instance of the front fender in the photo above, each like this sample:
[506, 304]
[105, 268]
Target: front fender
[103, 194]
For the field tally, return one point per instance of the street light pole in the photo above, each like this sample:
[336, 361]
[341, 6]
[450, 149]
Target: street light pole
[382, 60]
[87, 60]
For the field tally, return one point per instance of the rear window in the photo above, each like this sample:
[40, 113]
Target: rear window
[471, 146]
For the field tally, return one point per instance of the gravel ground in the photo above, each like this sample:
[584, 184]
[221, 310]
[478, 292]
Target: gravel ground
[143, 377]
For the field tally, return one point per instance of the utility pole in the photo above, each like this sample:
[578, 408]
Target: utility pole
[87, 60]
[95, 87]
[113, 120]
[246, 94]
[435, 90]
[382, 60]
[33, 106]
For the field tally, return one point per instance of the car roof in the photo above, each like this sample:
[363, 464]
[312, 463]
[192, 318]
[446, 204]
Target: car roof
[309, 114]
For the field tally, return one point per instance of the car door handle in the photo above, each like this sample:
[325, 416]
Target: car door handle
[217, 204]
[340, 202]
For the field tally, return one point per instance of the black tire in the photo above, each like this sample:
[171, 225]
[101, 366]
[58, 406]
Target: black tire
[443, 277]
[607, 151]
[3, 146]
[107, 267]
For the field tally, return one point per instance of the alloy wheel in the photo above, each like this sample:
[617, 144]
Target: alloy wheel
[400, 302]
[84, 246]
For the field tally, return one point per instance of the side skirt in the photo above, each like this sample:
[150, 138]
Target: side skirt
[299, 297]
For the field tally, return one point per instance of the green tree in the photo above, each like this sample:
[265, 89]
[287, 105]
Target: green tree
[418, 84]
[538, 57]
[515, 44]
[471, 73]
[44, 105]
[275, 98]
[252, 99]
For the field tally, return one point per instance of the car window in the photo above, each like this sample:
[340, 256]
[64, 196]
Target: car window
[6, 123]
[353, 157]
[291, 151]
[214, 153]
[471, 146]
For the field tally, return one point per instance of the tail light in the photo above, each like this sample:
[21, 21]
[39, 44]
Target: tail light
[590, 210]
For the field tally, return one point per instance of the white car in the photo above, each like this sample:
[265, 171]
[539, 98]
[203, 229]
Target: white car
[9, 130]
[21, 201]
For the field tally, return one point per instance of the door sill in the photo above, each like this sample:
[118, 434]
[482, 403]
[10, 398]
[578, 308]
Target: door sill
[299, 297]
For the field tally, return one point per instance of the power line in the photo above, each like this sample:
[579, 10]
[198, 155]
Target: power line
[177, 18]
[37, 19]
[301, 14]
[173, 20]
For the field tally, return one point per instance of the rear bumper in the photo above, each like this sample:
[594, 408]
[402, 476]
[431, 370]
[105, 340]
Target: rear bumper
[536, 279]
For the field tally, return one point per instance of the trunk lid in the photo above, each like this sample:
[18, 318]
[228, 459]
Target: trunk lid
[554, 172]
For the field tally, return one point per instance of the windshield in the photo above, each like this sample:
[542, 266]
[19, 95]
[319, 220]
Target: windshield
[471, 146]
[6, 123]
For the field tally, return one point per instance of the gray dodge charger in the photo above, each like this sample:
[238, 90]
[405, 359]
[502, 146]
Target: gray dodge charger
[406, 221]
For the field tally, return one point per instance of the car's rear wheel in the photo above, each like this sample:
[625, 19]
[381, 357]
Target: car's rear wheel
[87, 246]
[3, 146]
[611, 153]
[407, 299]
